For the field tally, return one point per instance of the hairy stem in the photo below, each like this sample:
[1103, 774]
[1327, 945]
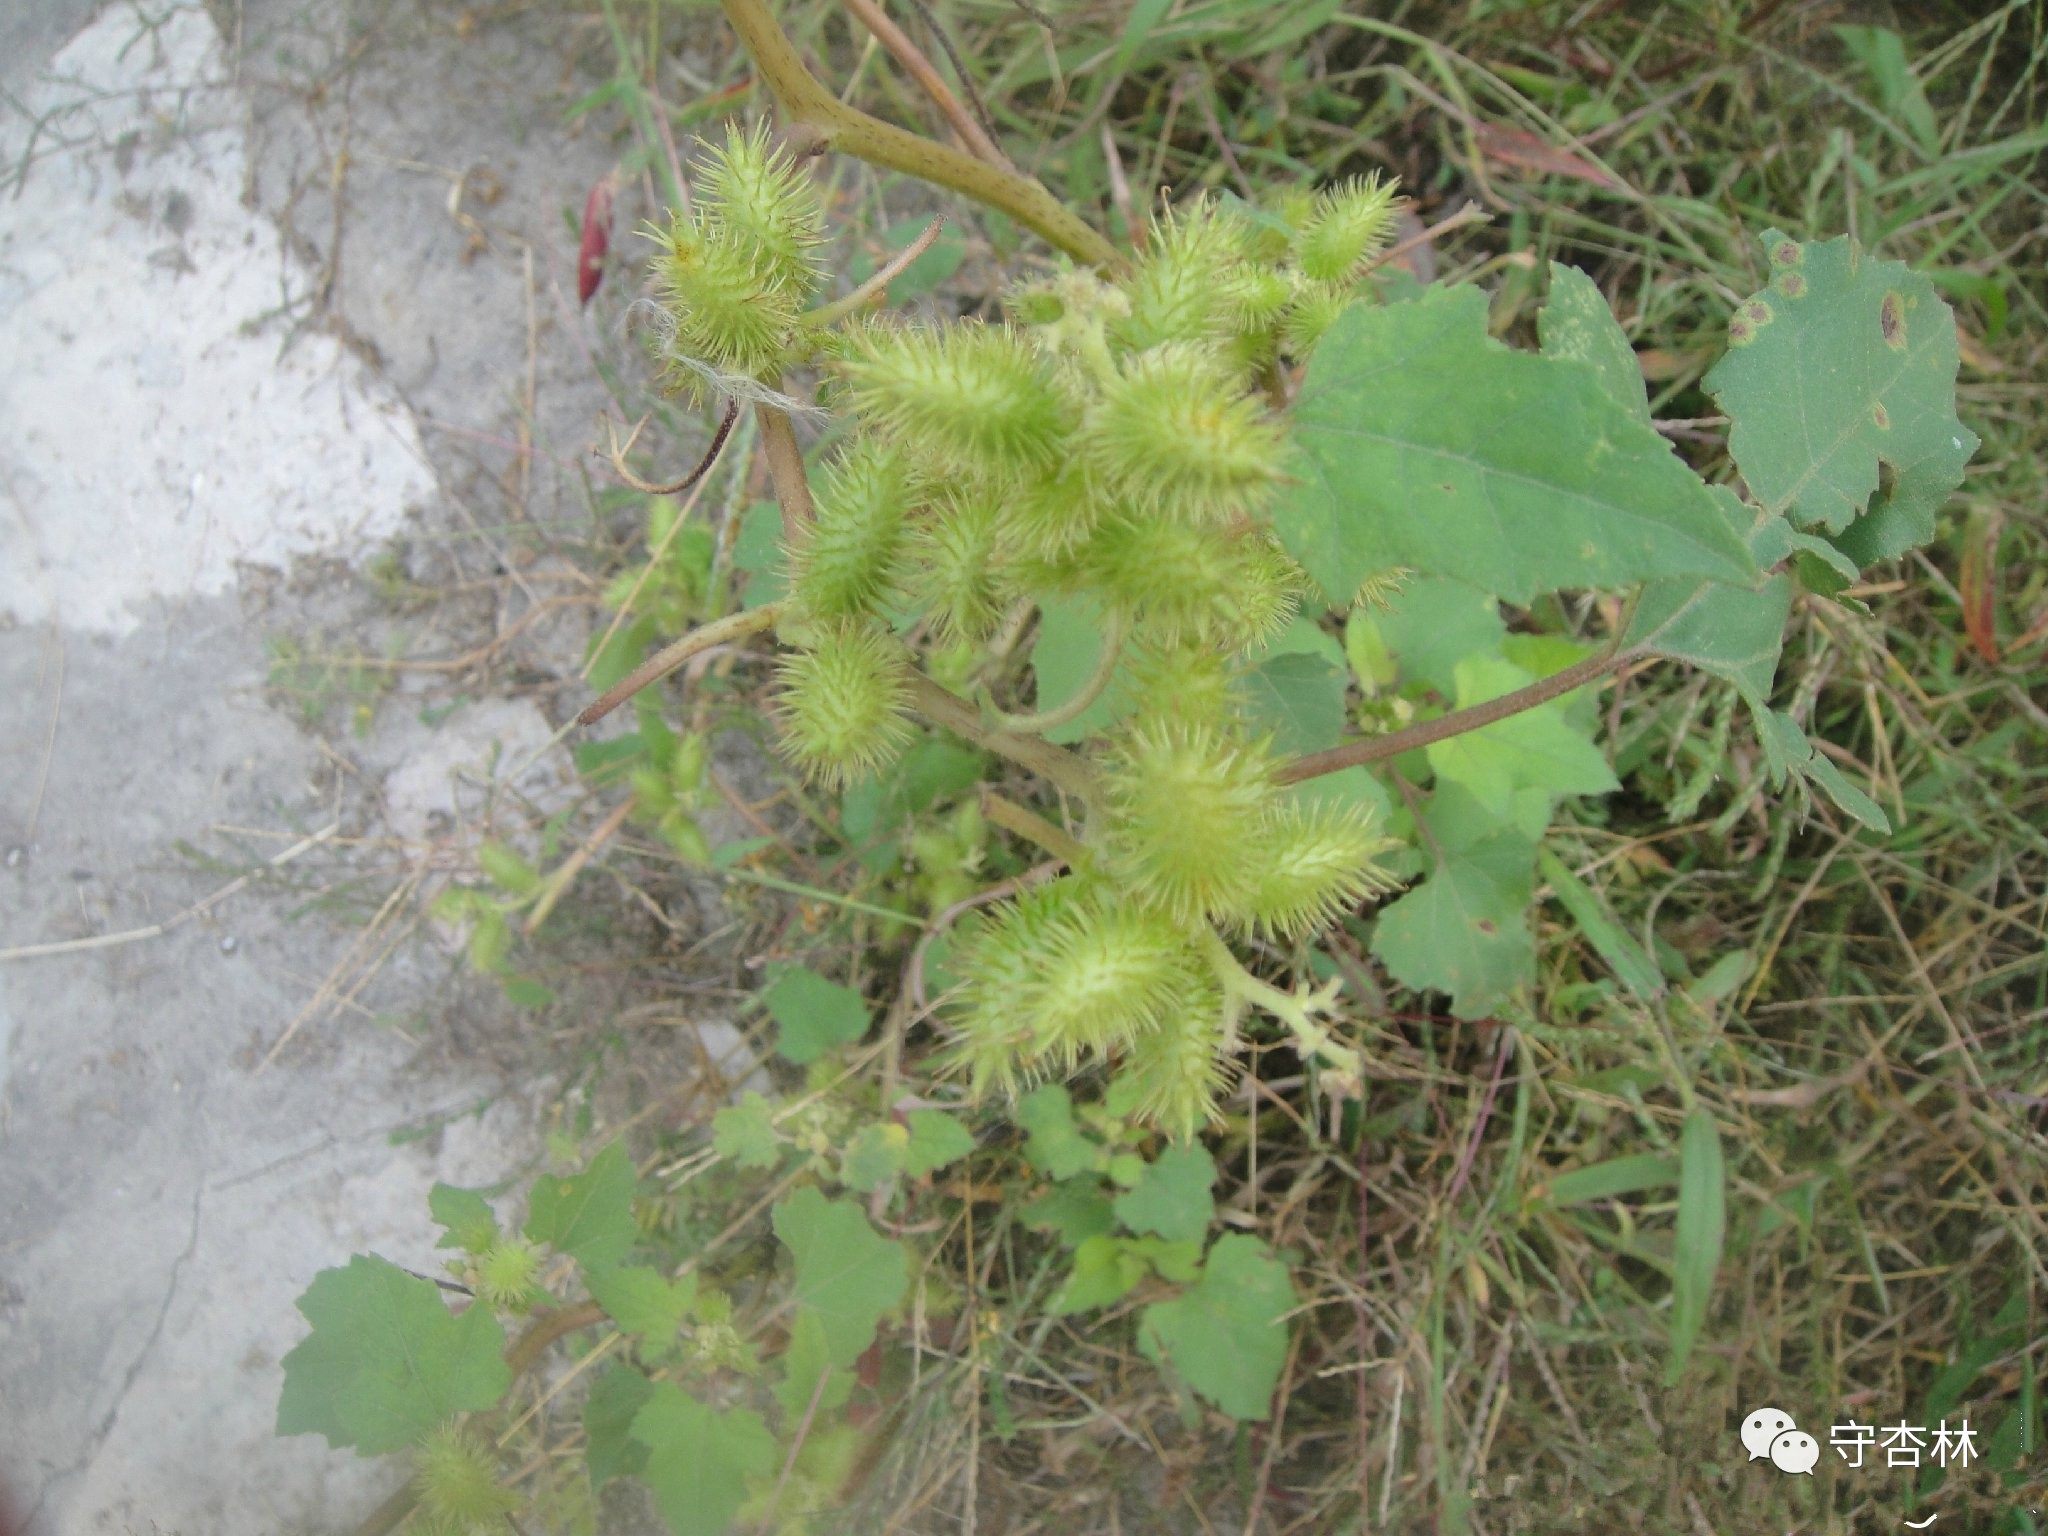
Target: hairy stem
[834, 125]
[734, 626]
[1105, 668]
[1056, 765]
[786, 469]
[618, 452]
[1373, 749]
[1013, 817]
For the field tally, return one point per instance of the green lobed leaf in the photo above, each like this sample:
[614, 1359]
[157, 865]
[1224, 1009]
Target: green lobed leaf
[1171, 1197]
[1432, 624]
[745, 1132]
[846, 1272]
[466, 1215]
[615, 1400]
[1227, 1334]
[699, 1459]
[1839, 385]
[1702, 1223]
[1787, 751]
[1733, 633]
[1075, 1210]
[937, 1140]
[1056, 1148]
[1423, 442]
[589, 1215]
[387, 1360]
[1106, 1269]
[874, 1157]
[808, 1358]
[1536, 749]
[815, 1015]
[1465, 930]
[1298, 697]
[1577, 326]
[643, 1301]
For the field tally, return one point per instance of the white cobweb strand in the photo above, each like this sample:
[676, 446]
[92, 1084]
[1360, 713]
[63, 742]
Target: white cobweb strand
[727, 386]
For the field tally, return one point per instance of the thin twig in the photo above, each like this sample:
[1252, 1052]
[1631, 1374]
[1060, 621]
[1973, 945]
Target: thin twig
[1044, 720]
[876, 287]
[920, 68]
[1471, 213]
[618, 451]
[786, 469]
[156, 930]
[847, 130]
[734, 626]
[559, 882]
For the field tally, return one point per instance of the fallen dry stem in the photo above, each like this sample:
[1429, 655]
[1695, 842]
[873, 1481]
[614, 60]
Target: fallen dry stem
[734, 626]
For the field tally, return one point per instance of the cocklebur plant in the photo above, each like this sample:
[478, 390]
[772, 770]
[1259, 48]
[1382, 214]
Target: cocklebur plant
[1268, 532]
[1109, 441]
[1195, 457]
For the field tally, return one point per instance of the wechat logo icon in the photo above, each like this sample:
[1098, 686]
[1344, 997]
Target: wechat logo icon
[1770, 1433]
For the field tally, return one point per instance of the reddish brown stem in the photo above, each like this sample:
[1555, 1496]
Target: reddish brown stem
[1374, 749]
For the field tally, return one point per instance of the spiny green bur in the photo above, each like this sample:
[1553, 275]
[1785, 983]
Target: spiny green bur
[1839, 386]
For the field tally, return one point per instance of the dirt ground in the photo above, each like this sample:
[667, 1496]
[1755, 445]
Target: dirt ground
[283, 290]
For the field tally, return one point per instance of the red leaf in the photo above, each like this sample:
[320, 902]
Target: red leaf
[597, 239]
[1522, 149]
[1978, 584]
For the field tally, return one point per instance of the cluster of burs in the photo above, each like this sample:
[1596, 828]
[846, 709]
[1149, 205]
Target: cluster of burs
[1113, 442]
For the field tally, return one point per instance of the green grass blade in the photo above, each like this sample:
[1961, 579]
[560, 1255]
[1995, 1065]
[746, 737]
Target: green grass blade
[1624, 955]
[1702, 1223]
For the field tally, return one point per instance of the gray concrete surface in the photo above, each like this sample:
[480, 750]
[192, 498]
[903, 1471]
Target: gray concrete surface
[267, 299]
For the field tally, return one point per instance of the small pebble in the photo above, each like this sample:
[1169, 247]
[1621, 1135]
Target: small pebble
[15, 855]
[229, 944]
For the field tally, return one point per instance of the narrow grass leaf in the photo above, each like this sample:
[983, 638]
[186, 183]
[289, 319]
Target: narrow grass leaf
[1624, 956]
[1607, 1180]
[1702, 1225]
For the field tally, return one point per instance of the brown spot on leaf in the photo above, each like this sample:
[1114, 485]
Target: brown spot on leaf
[1487, 926]
[1791, 284]
[1786, 253]
[1881, 416]
[1891, 320]
[1740, 332]
[1757, 312]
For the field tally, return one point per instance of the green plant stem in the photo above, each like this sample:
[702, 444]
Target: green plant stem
[831, 124]
[1013, 817]
[1055, 764]
[786, 469]
[734, 626]
[1297, 1010]
[1091, 690]
[876, 288]
[906, 53]
[1373, 749]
